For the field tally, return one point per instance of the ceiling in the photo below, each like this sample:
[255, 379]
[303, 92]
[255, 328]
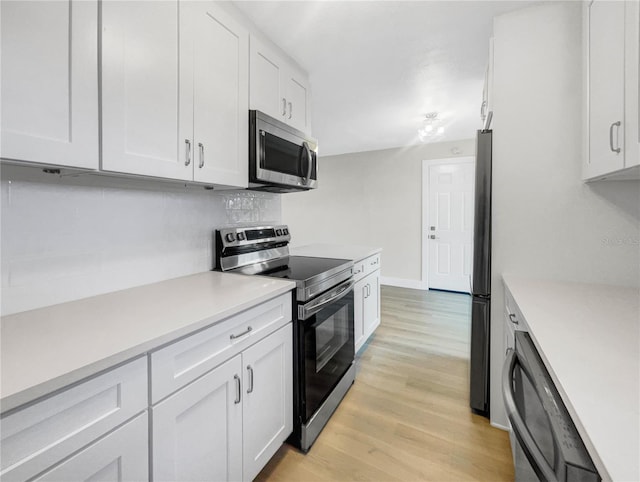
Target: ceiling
[377, 67]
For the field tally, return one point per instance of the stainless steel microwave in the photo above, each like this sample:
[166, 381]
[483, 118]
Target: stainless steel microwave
[281, 158]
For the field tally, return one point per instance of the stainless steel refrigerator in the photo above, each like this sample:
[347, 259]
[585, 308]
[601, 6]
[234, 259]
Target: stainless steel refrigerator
[481, 279]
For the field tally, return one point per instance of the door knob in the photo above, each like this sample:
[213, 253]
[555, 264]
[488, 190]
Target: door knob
[432, 236]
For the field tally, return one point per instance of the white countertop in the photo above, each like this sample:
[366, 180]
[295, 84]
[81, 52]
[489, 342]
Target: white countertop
[352, 252]
[46, 349]
[589, 338]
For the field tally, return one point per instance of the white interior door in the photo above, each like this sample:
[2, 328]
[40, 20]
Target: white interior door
[449, 226]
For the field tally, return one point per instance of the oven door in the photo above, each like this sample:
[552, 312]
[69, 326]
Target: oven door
[547, 445]
[326, 331]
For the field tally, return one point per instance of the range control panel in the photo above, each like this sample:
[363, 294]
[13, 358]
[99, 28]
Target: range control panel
[246, 236]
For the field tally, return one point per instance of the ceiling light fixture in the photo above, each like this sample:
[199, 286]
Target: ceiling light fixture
[429, 127]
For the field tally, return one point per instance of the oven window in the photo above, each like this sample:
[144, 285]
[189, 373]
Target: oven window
[328, 351]
[331, 336]
[535, 417]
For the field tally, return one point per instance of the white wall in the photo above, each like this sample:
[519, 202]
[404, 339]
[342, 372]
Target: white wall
[68, 238]
[546, 221]
[370, 199]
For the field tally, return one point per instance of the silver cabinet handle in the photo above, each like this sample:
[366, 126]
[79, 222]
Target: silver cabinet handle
[432, 236]
[357, 272]
[513, 319]
[373, 263]
[201, 147]
[615, 124]
[290, 110]
[187, 153]
[284, 106]
[238, 389]
[245, 332]
[250, 370]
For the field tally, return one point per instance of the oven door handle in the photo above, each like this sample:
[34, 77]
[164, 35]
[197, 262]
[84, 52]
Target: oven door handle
[309, 309]
[533, 453]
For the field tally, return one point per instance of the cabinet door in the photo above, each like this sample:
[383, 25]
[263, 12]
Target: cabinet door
[147, 111]
[297, 89]
[632, 84]
[221, 97]
[268, 399]
[197, 432]
[121, 456]
[50, 82]
[359, 296]
[266, 72]
[606, 87]
[372, 304]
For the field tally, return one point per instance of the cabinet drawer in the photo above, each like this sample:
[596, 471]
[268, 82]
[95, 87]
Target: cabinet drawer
[179, 363]
[371, 264]
[121, 456]
[359, 270]
[513, 314]
[38, 436]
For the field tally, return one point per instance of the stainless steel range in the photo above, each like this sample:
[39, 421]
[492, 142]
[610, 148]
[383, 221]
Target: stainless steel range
[323, 344]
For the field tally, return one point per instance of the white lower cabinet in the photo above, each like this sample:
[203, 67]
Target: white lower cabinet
[227, 424]
[37, 438]
[121, 456]
[267, 399]
[366, 299]
[197, 432]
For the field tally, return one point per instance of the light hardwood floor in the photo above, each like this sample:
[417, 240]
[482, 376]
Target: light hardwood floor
[407, 416]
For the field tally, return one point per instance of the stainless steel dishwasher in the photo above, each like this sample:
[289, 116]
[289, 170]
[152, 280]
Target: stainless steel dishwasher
[547, 446]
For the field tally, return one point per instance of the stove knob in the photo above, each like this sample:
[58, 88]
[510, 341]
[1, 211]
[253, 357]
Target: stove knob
[230, 238]
[241, 237]
[285, 231]
[278, 232]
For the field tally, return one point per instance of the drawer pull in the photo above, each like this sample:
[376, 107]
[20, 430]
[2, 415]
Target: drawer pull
[513, 319]
[238, 389]
[373, 263]
[245, 332]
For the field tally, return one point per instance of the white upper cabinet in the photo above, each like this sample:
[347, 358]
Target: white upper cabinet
[50, 82]
[612, 93]
[221, 100]
[141, 97]
[277, 88]
[174, 91]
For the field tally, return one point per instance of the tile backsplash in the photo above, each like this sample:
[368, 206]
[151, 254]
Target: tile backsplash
[64, 241]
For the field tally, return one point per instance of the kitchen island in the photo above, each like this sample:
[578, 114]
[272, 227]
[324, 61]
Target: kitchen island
[588, 337]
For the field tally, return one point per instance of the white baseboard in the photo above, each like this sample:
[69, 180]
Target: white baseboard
[402, 283]
[501, 427]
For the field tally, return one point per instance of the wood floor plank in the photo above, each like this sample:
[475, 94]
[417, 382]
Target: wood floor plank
[407, 416]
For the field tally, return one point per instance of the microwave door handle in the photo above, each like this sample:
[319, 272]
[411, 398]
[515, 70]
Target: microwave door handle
[533, 453]
[305, 146]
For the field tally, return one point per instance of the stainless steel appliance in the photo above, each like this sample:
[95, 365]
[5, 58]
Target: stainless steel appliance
[545, 441]
[281, 158]
[481, 279]
[323, 327]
